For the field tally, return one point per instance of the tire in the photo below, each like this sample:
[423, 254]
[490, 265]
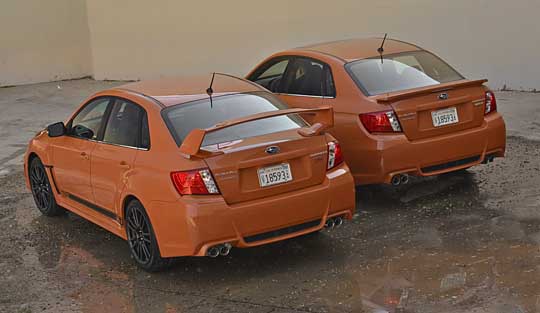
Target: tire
[142, 240]
[42, 189]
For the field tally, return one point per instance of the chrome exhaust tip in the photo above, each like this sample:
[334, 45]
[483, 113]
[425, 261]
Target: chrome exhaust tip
[213, 252]
[330, 223]
[338, 221]
[488, 159]
[225, 249]
[404, 179]
[396, 180]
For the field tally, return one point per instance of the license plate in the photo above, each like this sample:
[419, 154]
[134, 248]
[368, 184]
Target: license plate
[444, 117]
[276, 174]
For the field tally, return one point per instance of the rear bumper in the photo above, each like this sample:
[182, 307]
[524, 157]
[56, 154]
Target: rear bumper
[395, 154]
[196, 223]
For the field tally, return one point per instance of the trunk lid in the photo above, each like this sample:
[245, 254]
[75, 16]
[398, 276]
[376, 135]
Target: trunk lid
[236, 170]
[241, 167]
[416, 108]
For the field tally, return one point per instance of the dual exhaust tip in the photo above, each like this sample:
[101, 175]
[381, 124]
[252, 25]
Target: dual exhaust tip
[400, 179]
[333, 222]
[488, 159]
[225, 248]
[217, 250]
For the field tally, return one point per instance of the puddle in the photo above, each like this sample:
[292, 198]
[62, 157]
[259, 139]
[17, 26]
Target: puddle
[448, 244]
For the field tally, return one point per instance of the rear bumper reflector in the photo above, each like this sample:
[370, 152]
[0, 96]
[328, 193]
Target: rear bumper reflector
[456, 163]
[282, 231]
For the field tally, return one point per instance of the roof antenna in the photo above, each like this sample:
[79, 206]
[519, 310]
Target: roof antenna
[381, 48]
[209, 90]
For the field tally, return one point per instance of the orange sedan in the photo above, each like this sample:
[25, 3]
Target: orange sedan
[399, 109]
[179, 169]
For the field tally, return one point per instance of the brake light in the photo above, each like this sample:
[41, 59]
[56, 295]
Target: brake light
[491, 102]
[335, 155]
[195, 182]
[380, 122]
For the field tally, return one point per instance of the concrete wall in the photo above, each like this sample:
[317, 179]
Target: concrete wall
[43, 41]
[138, 39]
[497, 39]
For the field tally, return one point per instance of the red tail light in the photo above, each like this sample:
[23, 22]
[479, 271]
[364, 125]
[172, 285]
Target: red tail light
[195, 182]
[490, 103]
[380, 122]
[335, 155]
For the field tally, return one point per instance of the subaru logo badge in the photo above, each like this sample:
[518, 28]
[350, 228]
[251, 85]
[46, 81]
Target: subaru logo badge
[272, 150]
[443, 96]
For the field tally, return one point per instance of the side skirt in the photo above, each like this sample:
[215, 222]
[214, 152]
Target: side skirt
[94, 207]
[106, 219]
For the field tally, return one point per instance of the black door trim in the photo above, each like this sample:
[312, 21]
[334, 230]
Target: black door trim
[94, 207]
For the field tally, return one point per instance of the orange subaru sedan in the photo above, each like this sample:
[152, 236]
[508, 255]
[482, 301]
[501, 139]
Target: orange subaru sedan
[180, 169]
[399, 109]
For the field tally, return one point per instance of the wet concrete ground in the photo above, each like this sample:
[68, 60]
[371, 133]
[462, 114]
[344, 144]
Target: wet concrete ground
[465, 242]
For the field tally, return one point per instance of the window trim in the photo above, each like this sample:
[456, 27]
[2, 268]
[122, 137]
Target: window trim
[292, 58]
[145, 114]
[104, 122]
[114, 99]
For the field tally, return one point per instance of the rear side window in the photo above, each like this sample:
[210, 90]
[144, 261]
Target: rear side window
[124, 124]
[183, 118]
[309, 78]
[400, 71]
[145, 133]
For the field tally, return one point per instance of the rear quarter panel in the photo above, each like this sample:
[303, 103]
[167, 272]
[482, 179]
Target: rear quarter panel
[150, 182]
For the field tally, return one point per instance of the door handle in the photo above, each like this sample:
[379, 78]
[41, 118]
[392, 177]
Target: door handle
[125, 165]
[84, 155]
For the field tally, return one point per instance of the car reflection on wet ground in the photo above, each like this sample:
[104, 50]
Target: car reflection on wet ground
[461, 242]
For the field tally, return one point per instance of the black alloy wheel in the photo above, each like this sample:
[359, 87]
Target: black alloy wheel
[42, 189]
[141, 239]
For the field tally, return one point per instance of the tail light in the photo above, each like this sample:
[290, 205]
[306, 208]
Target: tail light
[195, 182]
[335, 155]
[491, 103]
[380, 122]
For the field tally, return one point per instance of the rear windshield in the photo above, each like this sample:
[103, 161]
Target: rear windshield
[183, 118]
[400, 71]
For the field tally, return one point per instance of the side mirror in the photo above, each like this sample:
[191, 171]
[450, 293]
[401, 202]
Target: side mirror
[56, 129]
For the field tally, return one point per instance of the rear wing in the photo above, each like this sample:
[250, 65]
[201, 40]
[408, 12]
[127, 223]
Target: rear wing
[323, 119]
[400, 95]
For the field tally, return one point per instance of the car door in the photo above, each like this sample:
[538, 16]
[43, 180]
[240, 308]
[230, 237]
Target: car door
[72, 153]
[113, 156]
[304, 82]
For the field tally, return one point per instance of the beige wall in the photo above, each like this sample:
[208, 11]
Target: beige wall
[43, 41]
[497, 39]
[138, 39]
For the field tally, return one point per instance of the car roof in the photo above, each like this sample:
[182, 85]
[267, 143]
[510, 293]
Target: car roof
[178, 90]
[360, 48]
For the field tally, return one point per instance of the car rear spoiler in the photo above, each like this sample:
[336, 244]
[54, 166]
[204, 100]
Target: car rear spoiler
[400, 95]
[324, 119]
